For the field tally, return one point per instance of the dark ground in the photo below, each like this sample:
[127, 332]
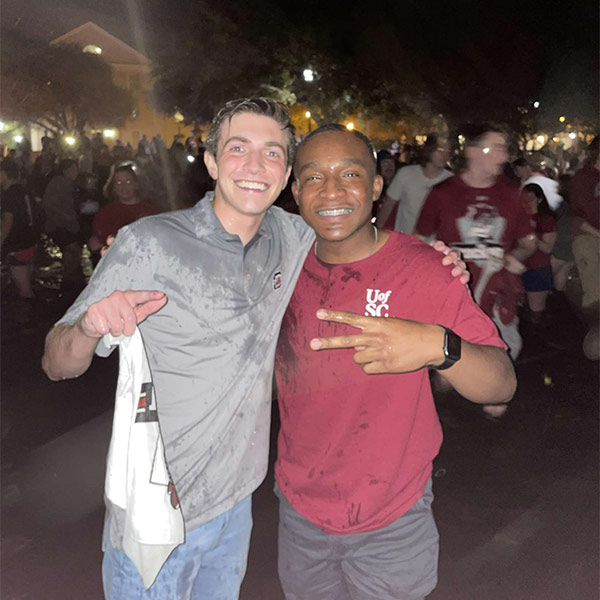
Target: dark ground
[516, 500]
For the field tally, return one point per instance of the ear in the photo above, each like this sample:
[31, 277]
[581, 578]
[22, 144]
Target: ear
[377, 187]
[211, 165]
[296, 191]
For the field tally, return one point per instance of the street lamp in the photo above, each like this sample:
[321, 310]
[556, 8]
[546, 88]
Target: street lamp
[562, 118]
[536, 104]
[2, 125]
[308, 115]
[18, 138]
[572, 135]
[70, 140]
[350, 126]
[308, 75]
[109, 133]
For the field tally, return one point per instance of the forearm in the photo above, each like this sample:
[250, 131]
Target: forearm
[68, 352]
[524, 251]
[484, 374]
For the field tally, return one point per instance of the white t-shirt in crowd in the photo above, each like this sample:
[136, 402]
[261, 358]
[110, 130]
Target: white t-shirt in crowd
[410, 188]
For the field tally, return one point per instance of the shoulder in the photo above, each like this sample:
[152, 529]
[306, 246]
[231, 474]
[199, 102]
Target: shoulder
[414, 254]
[289, 224]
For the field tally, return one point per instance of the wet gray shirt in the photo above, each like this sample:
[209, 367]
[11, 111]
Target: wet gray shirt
[211, 348]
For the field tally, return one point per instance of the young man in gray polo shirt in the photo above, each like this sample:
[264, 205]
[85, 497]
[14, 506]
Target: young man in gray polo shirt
[228, 267]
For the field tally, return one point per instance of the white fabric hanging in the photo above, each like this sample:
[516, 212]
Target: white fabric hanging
[137, 477]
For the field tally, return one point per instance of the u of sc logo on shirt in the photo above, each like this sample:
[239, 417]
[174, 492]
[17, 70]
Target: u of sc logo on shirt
[377, 303]
[277, 280]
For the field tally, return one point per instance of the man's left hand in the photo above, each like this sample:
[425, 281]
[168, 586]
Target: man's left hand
[452, 257]
[385, 345]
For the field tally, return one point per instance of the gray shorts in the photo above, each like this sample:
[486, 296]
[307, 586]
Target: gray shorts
[398, 562]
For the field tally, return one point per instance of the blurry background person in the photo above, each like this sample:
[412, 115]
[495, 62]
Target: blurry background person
[62, 222]
[527, 173]
[20, 232]
[125, 206]
[386, 167]
[585, 223]
[537, 280]
[411, 185]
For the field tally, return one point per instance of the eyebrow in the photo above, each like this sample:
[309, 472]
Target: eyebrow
[346, 161]
[239, 138]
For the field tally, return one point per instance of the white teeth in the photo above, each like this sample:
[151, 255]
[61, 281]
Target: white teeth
[336, 212]
[253, 185]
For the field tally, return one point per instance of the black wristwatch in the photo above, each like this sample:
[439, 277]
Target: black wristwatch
[452, 345]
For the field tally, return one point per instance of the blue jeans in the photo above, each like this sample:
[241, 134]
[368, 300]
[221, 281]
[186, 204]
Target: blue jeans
[209, 565]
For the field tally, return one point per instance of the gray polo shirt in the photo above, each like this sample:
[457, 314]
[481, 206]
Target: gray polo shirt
[211, 348]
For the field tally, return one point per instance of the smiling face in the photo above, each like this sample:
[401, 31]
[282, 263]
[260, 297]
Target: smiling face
[335, 187]
[125, 187]
[250, 168]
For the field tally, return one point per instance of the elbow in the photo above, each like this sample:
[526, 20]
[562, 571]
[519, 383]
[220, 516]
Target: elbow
[47, 368]
[507, 386]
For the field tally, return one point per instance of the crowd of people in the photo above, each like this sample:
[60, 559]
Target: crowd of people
[81, 199]
[232, 290]
[525, 227]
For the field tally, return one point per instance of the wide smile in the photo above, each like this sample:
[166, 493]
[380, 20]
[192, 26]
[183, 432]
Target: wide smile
[334, 212]
[252, 186]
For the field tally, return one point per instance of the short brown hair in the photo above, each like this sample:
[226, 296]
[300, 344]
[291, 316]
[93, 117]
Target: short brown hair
[259, 106]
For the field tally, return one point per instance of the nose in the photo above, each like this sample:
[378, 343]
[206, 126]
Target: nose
[331, 188]
[254, 161]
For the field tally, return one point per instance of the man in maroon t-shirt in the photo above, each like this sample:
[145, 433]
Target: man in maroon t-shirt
[480, 213]
[355, 452]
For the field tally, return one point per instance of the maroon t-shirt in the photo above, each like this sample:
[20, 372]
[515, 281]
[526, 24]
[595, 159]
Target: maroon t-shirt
[541, 224]
[116, 215]
[470, 217]
[355, 450]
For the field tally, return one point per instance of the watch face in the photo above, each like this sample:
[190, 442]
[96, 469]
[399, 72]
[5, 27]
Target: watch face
[452, 345]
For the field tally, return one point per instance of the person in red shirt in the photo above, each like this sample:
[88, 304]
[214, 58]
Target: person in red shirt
[126, 207]
[479, 211]
[538, 277]
[355, 451]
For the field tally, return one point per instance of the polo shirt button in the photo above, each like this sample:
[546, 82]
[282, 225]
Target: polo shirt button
[247, 275]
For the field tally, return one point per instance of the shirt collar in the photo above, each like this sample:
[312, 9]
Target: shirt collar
[206, 222]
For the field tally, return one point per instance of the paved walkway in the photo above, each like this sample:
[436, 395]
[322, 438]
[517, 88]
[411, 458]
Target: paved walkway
[516, 500]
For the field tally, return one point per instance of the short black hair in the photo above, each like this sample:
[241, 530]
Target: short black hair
[341, 128]
[542, 201]
[521, 162]
[258, 106]
[475, 132]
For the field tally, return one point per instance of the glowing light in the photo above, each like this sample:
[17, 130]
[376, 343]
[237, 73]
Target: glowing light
[541, 139]
[308, 75]
[350, 126]
[1, 125]
[109, 133]
[178, 117]
[555, 138]
[18, 139]
[461, 139]
[307, 114]
[536, 104]
[70, 140]
[190, 158]
[562, 118]
[92, 49]
[572, 135]
[486, 150]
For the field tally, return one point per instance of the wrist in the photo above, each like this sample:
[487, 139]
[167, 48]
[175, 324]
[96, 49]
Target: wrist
[436, 336]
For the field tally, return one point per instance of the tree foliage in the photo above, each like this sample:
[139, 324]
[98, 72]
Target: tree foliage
[58, 87]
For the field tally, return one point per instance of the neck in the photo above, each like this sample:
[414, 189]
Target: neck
[431, 171]
[359, 246]
[478, 180]
[244, 226]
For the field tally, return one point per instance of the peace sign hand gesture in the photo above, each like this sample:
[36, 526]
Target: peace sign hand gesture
[385, 345]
